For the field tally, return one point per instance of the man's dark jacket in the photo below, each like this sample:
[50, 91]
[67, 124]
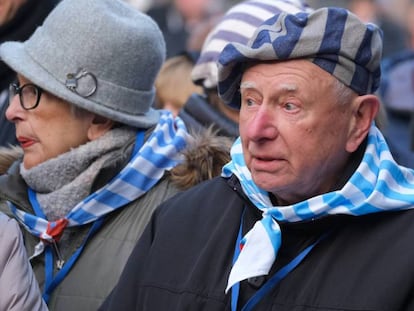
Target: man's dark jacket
[184, 258]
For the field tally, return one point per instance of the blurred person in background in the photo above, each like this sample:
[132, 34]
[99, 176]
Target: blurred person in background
[397, 94]
[18, 20]
[174, 84]
[178, 18]
[396, 89]
[374, 11]
[409, 22]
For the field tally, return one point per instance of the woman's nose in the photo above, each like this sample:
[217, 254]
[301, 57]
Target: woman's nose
[14, 110]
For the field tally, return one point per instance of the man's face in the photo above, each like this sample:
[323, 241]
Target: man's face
[8, 9]
[294, 131]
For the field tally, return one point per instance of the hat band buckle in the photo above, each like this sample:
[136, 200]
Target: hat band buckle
[83, 83]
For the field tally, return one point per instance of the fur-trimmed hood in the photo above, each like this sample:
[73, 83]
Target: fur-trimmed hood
[204, 158]
[7, 156]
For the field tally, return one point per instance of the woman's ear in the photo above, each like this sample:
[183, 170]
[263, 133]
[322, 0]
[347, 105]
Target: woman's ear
[365, 108]
[99, 126]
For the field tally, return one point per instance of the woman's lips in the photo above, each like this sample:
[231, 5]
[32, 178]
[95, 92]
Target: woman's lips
[25, 142]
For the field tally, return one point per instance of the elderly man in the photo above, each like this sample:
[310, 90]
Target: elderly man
[312, 212]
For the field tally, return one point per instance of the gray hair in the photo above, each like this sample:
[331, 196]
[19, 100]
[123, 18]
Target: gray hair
[78, 112]
[343, 93]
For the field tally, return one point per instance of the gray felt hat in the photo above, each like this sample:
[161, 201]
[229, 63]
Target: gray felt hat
[332, 38]
[100, 55]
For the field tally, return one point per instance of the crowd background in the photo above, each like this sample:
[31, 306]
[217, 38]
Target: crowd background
[399, 12]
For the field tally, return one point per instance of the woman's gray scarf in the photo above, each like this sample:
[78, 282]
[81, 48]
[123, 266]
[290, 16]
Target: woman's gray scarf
[150, 160]
[64, 181]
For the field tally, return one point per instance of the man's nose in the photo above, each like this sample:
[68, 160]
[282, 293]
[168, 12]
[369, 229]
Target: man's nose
[263, 125]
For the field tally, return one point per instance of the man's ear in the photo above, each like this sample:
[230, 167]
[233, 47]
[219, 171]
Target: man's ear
[365, 109]
[99, 126]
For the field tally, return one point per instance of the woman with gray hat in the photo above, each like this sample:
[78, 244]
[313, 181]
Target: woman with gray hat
[96, 156]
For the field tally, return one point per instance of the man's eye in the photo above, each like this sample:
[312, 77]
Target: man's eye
[249, 102]
[290, 106]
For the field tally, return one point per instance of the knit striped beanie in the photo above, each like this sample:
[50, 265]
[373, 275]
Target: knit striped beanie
[332, 38]
[237, 25]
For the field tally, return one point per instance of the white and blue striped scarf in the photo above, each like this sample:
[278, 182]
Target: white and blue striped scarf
[160, 153]
[378, 184]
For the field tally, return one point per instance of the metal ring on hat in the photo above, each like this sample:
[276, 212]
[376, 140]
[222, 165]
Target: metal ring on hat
[82, 83]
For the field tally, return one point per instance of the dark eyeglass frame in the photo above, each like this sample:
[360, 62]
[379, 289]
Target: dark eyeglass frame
[17, 90]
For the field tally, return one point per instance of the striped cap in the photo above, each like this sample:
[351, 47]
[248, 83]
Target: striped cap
[237, 25]
[332, 38]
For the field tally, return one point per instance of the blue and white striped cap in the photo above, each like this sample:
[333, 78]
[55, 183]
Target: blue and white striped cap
[237, 25]
[332, 38]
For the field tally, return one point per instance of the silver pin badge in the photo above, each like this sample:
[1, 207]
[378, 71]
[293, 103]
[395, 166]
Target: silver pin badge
[82, 83]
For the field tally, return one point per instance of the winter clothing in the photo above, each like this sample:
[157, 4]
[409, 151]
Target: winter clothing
[237, 25]
[68, 186]
[65, 63]
[365, 263]
[83, 287]
[7, 156]
[325, 37]
[376, 185]
[198, 114]
[121, 228]
[341, 250]
[229, 244]
[204, 156]
[83, 209]
[19, 289]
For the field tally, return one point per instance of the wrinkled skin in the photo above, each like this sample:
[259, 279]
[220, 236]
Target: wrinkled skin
[51, 128]
[296, 136]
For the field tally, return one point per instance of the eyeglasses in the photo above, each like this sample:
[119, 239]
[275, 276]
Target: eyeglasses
[29, 95]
